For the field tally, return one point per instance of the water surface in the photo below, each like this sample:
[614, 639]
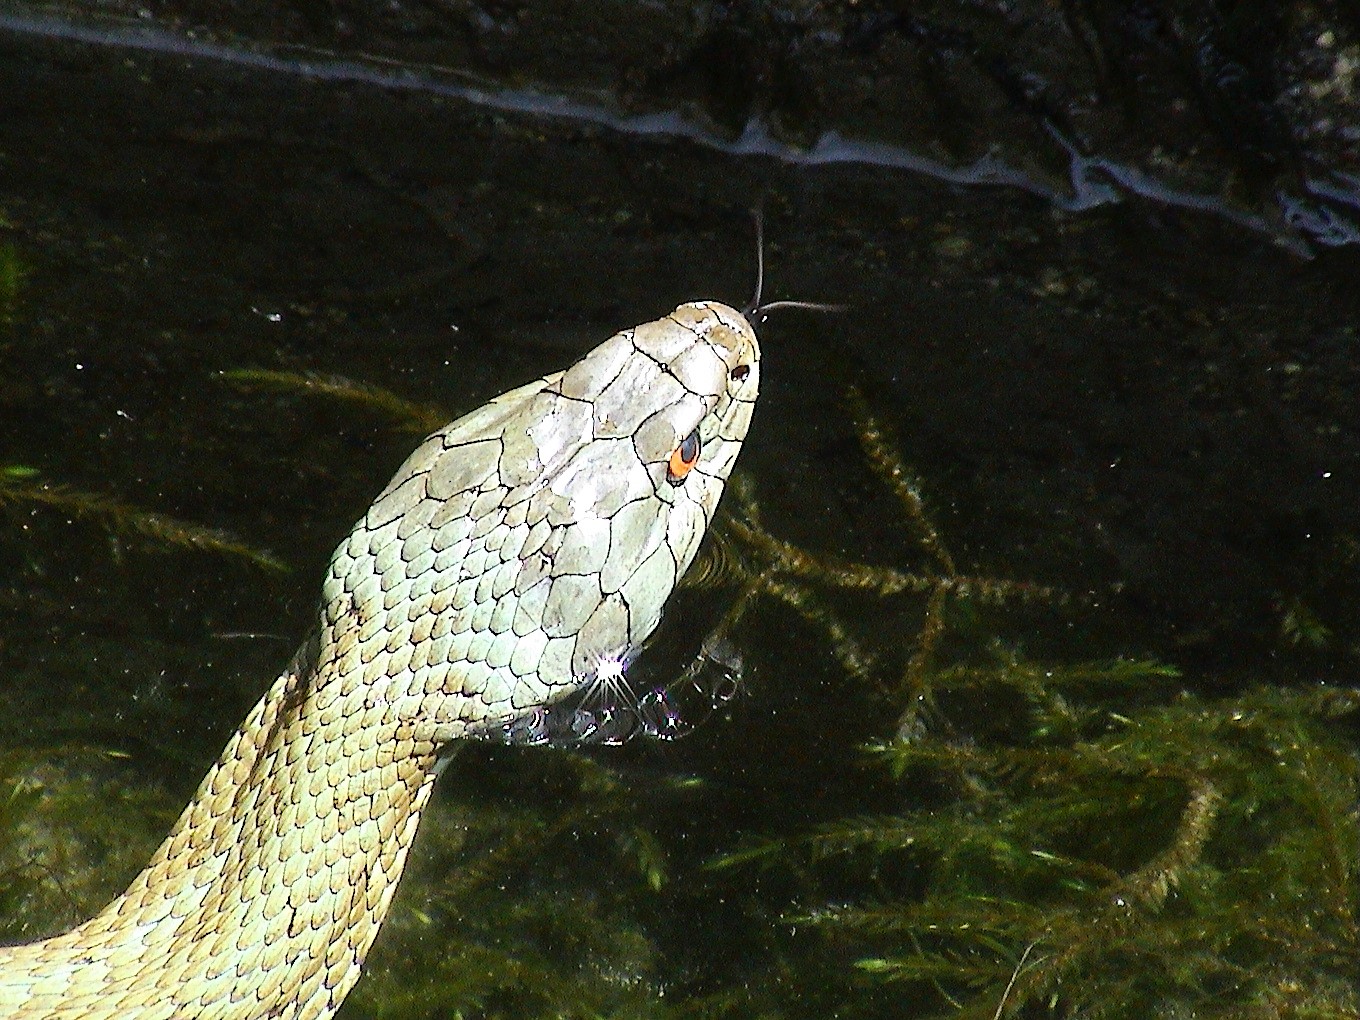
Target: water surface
[1150, 409]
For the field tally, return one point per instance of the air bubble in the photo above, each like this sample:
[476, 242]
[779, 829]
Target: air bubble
[606, 710]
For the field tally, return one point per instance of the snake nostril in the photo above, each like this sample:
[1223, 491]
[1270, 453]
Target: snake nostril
[740, 372]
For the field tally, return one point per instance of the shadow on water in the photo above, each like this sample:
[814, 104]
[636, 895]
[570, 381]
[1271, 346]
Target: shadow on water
[1149, 410]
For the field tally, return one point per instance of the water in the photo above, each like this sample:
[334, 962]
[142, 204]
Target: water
[1149, 407]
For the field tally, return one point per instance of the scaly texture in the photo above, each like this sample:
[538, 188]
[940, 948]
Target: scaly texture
[518, 553]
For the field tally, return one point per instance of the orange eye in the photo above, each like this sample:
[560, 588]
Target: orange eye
[683, 459]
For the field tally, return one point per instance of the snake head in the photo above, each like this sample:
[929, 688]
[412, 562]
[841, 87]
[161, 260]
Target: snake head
[525, 551]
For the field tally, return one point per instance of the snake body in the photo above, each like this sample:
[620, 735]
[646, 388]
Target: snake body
[520, 553]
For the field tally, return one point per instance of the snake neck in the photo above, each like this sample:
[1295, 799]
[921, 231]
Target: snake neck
[266, 896]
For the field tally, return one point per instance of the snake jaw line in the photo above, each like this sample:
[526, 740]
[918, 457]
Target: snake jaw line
[521, 552]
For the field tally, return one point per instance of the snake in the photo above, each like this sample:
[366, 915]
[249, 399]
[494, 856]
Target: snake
[520, 554]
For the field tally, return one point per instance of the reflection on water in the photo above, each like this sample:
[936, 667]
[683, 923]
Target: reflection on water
[612, 709]
[1145, 408]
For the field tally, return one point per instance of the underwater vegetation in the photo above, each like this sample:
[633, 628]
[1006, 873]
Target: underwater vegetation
[73, 828]
[22, 488]
[1195, 858]
[405, 414]
[525, 906]
[1081, 839]
[17, 800]
[1104, 839]
[13, 273]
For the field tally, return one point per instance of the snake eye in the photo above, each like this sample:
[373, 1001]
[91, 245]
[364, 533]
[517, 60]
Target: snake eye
[740, 372]
[683, 459]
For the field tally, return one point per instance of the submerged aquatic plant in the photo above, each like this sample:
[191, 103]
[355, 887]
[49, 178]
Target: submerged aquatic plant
[767, 566]
[1196, 858]
[408, 415]
[1089, 839]
[1080, 840]
[13, 273]
[18, 797]
[73, 829]
[23, 487]
[1301, 627]
[508, 888]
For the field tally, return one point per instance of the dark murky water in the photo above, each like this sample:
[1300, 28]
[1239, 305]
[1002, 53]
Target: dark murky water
[1152, 410]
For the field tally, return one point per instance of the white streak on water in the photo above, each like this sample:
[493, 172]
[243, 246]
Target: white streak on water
[1094, 181]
